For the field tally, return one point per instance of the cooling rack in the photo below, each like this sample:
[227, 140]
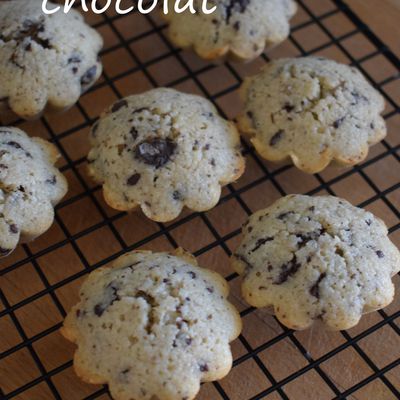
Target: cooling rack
[40, 281]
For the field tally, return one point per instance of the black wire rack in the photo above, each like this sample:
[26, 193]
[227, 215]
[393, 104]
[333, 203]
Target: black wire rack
[40, 280]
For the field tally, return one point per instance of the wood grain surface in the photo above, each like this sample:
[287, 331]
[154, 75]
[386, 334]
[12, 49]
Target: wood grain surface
[37, 348]
[382, 17]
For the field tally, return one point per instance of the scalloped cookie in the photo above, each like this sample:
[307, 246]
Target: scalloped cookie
[241, 29]
[153, 326]
[46, 61]
[316, 259]
[164, 150]
[312, 110]
[30, 187]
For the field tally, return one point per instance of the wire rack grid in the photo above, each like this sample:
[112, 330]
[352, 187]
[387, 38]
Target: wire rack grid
[40, 280]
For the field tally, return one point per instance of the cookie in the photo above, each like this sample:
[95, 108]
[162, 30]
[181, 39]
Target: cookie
[316, 259]
[311, 110]
[153, 326]
[30, 186]
[162, 150]
[46, 61]
[241, 29]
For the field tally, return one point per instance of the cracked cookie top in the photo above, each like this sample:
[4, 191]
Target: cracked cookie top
[312, 110]
[44, 59]
[164, 150]
[316, 259]
[30, 186]
[155, 324]
[238, 28]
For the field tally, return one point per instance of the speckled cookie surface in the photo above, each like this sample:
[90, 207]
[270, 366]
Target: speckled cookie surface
[164, 150]
[316, 259]
[45, 60]
[238, 28]
[30, 186]
[312, 110]
[155, 324]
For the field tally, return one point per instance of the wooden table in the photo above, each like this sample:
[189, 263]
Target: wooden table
[39, 312]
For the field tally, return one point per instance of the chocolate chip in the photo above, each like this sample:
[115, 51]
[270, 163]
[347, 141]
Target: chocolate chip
[261, 242]
[208, 115]
[176, 195]
[276, 138]
[210, 289]
[3, 166]
[131, 267]
[288, 107]
[134, 133]
[14, 144]
[314, 290]
[81, 314]
[284, 215]
[235, 6]
[192, 274]
[380, 254]
[139, 110]
[74, 59]
[195, 145]
[52, 180]
[89, 75]
[31, 30]
[368, 222]
[304, 238]
[118, 105]
[111, 295]
[99, 309]
[155, 152]
[288, 270]
[358, 97]
[14, 60]
[203, 367]
[14, 229]
[236, 26]
[180, 322]
[188, 341]
[133, 180]
[212, 162]
[338, 122]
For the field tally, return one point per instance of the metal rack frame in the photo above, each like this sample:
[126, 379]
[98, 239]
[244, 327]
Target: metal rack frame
[276, 386]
